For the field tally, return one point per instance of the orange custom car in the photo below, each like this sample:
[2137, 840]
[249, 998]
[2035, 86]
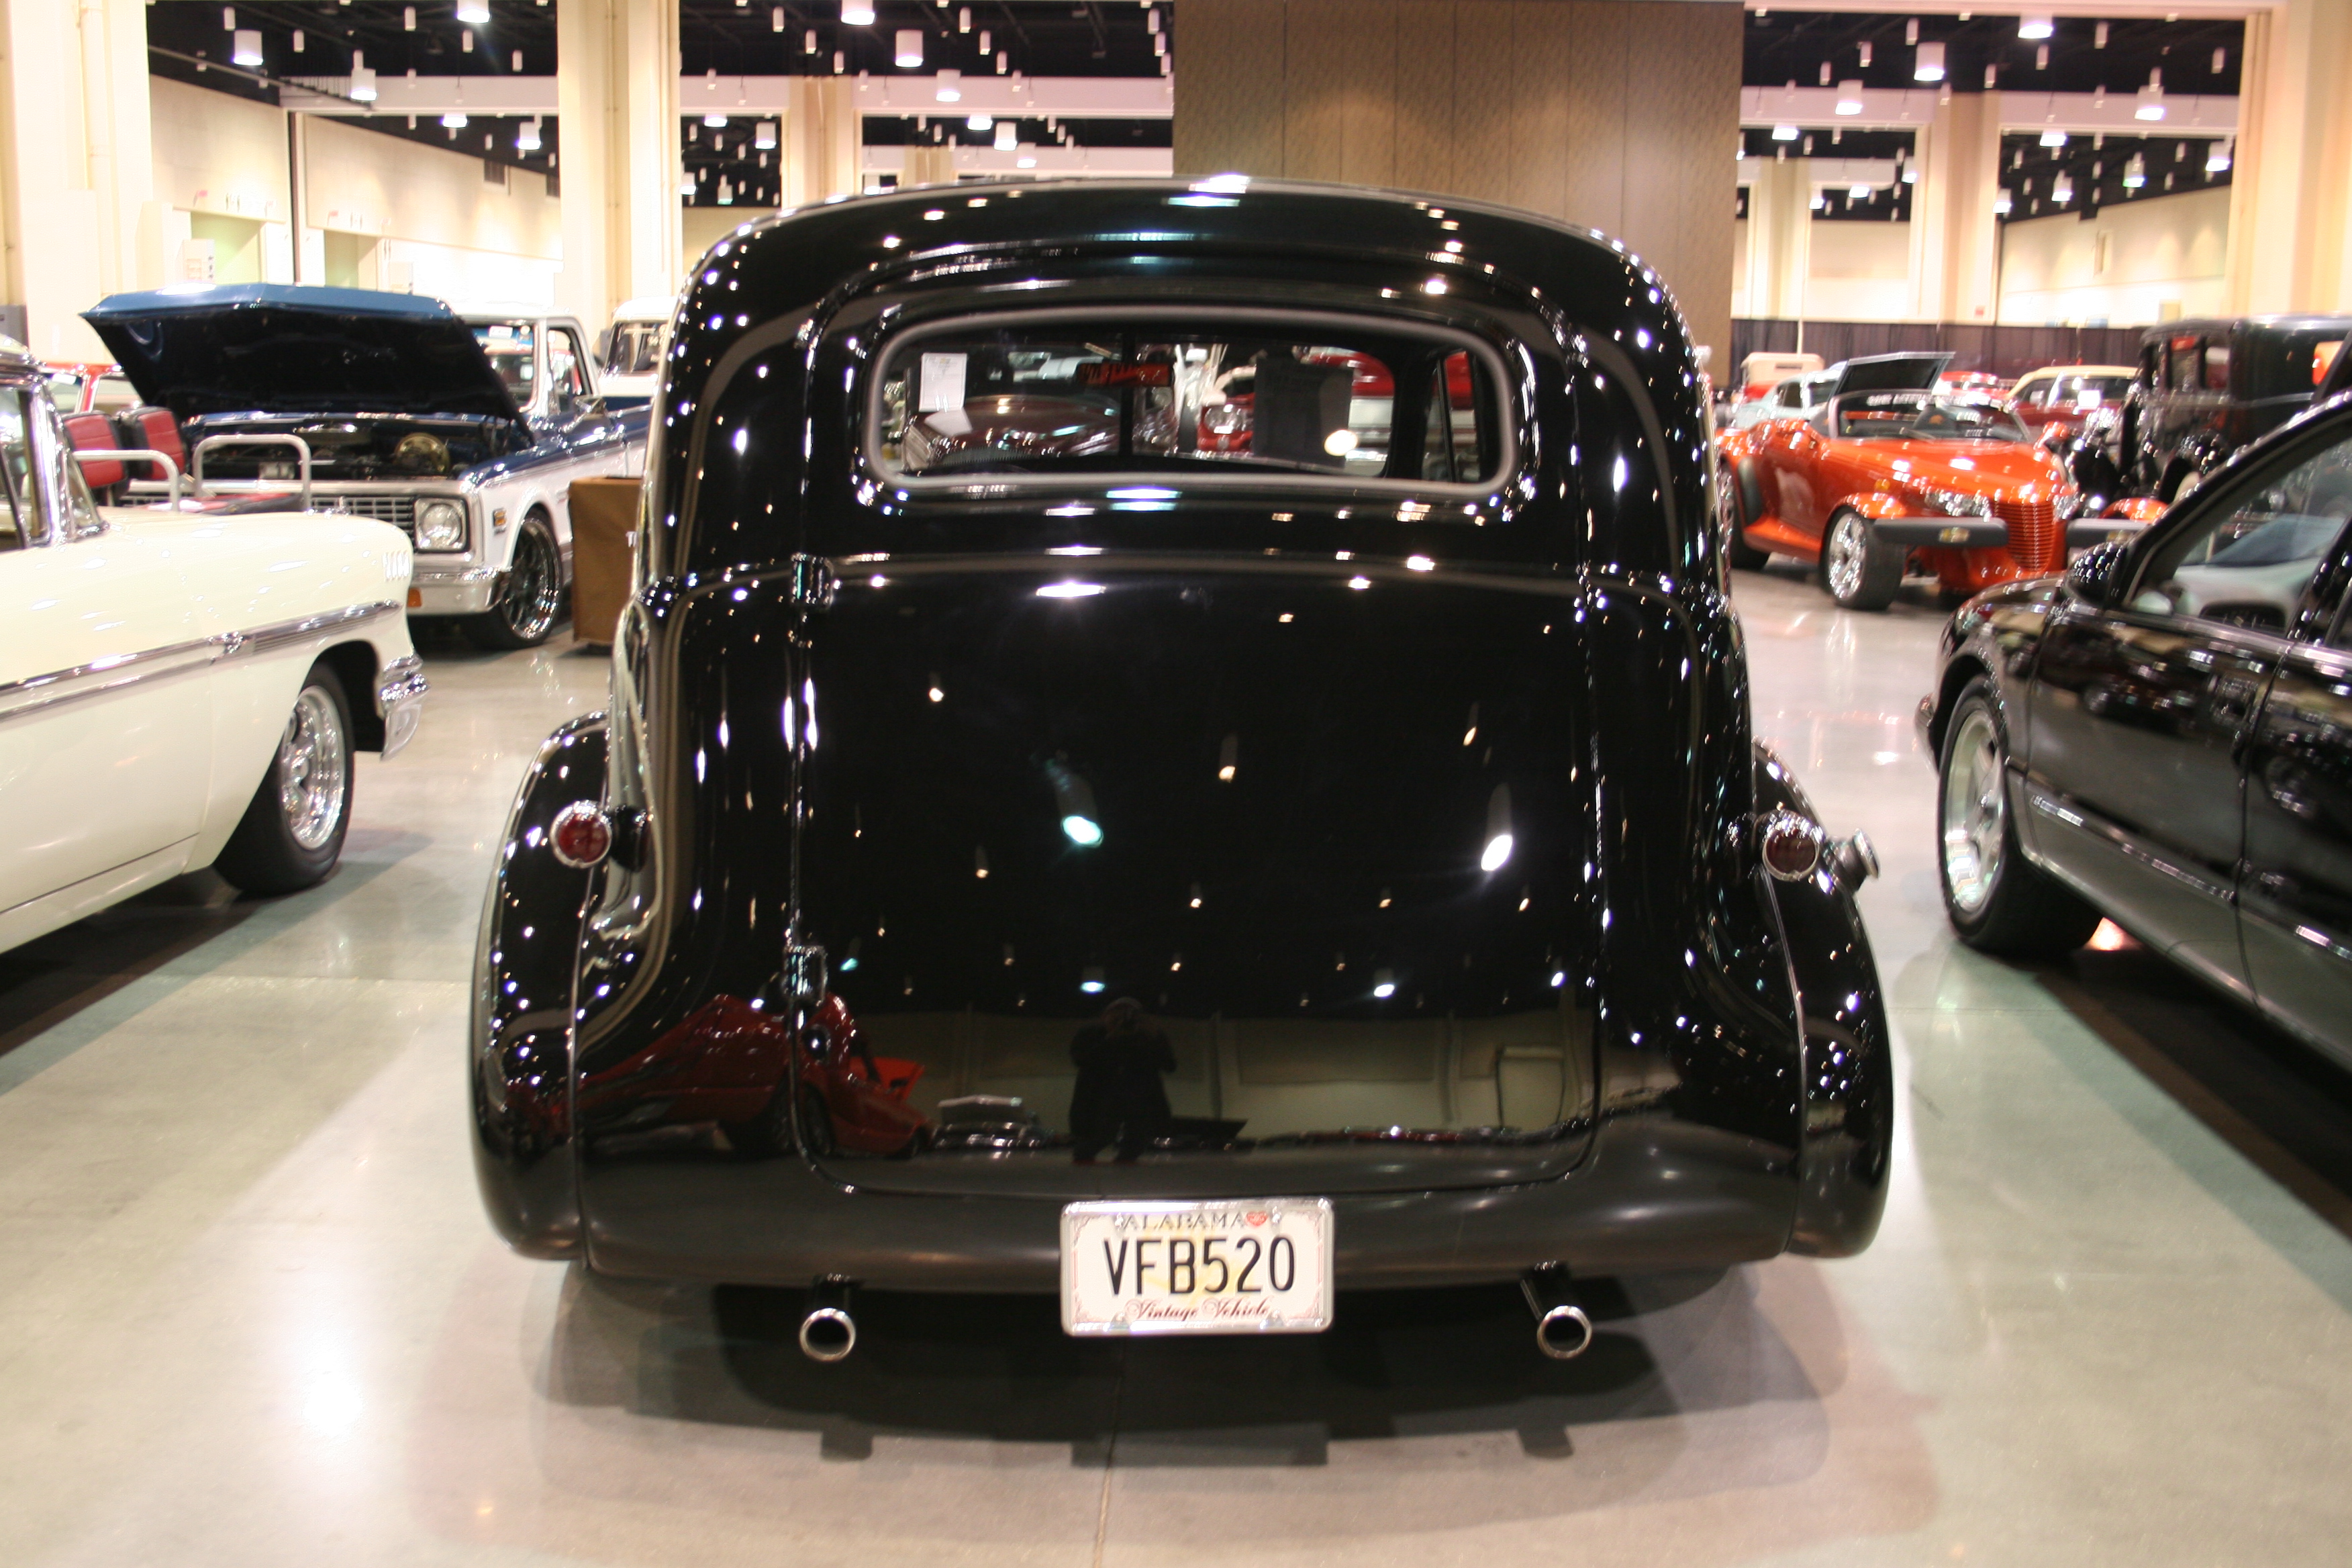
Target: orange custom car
[1893, 478]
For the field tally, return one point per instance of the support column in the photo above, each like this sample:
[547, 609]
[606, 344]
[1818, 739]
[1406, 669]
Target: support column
[2291, 191]
[1954, 236]
[78, 214]
[617, 110]
[818, 157]
[1780, 241]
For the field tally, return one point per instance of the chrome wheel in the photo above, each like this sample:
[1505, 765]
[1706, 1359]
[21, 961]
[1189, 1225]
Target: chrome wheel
[1846, 556]
[314, 758]
[1975, 812]
[534, 595]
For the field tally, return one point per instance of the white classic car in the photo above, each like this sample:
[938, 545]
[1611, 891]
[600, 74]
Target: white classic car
[180, 686]
[464, 431]
[633, 349]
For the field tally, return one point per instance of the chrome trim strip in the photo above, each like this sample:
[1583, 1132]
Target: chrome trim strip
[400, 692]
[278, 634]
[39, 693]
[2122, 841]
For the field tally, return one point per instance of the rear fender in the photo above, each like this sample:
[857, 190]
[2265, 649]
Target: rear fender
[519, 1042]
[1848, 1073]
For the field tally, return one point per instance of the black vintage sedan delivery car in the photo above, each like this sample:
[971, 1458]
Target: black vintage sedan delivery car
[2206, 388]
[2165, 736]
[1184, 745]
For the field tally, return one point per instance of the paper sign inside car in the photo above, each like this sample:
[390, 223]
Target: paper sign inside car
[942, 383]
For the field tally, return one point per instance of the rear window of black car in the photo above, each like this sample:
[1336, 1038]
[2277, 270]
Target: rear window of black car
[1254, 395]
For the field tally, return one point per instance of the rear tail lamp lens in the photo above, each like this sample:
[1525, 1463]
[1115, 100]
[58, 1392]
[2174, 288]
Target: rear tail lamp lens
[581, 836]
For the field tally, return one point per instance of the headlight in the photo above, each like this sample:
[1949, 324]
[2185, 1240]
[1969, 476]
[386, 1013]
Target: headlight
[1955, 503]
[441, 525]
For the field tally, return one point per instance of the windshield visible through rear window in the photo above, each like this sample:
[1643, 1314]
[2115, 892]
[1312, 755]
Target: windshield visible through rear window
[1905, 416]
[1072, 396]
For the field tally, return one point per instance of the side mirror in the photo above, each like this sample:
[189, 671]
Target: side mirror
[2093, 577]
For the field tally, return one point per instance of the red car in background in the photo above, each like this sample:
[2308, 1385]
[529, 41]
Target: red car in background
[1892, 477]
[2066, 395]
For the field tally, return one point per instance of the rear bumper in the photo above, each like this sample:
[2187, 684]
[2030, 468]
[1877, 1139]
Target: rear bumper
[1657, 1194]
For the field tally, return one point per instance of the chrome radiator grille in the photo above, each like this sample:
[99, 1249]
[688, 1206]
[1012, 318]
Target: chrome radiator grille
[2037, 540]
[398, 510]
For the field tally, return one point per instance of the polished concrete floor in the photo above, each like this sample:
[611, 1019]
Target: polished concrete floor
[250, 1313]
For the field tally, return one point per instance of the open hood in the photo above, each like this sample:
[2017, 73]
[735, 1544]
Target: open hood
[1891, 373]
[280, 348]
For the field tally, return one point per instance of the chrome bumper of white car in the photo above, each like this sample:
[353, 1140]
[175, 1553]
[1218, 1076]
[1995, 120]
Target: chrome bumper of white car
[400, 693]
[453, 590]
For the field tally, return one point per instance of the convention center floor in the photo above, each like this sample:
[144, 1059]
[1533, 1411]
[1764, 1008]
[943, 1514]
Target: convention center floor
[250, 1312]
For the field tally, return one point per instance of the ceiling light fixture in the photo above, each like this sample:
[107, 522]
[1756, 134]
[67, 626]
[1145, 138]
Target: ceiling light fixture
[2151, 97]
[2062, 191]
[764, 134]
[1849, 97]
[2054, 138]
[2217, 156]
[908, 55]
[1927, 64]
[1911, 31]
[1864, 52]
[857, 13]
[2135, 172]
[474, 13]
[2099, 37]
[454, 120]
[527, 139]
[2035, 26]
[716, 121]
[2002, 204]
[246, 49]
[1784, 133]
[363, 88]
[948, 88]
[1008, 135]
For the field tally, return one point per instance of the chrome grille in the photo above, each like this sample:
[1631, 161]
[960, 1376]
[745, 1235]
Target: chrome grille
[398, 510]
[2037, 540]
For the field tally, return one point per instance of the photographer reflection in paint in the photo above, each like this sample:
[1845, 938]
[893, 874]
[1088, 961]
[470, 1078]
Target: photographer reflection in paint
[1119, 1098]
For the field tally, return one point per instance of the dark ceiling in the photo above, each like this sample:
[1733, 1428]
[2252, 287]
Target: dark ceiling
[1793, 46]
[2097, 166]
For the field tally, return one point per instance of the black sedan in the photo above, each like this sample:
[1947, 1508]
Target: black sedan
[2164, 737]
[1181, 746]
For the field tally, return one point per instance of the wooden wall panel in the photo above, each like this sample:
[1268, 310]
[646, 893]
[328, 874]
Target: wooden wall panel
[1596, 114]
[1483, 79]
[1617, 114]
[1229, 97]
[1543, 43]
[1324, 66]
[1425, 94]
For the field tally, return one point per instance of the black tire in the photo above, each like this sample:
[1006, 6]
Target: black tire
[1730, 521]
[533, 600]
[817, 1124]
[1997, 900]
[1860, 570]
[292, 833]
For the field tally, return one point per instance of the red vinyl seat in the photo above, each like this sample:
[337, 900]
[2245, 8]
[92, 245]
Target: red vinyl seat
[155, 430]
[95, 432]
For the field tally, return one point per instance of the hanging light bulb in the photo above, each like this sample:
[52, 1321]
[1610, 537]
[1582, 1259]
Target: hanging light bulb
[907, 53]
[2151, 97]
[2217, 156]
[2135, 172]
[2062, 191]
[764, 134]
[246, 49]
[1008, 135]
[857, 13]
[474, 13]
[1849, 97]
[527, 139]
[1928, 63]
[2035, 26]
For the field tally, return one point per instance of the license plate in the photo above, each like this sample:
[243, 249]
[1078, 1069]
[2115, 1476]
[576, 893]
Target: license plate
[1257, 1267]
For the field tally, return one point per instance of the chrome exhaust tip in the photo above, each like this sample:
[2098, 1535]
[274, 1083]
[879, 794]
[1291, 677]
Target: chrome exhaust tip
[828, 1334]
[1564, 1333]
[1564, 1330]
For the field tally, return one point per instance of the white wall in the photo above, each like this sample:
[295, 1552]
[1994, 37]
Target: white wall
[2163, 258]
[1859, 272]
[422, 219]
